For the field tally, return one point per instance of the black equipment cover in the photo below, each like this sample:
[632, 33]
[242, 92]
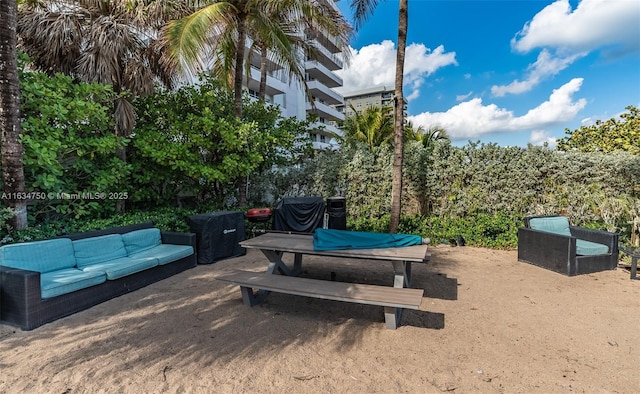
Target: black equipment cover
[299, 214]
[218, 234]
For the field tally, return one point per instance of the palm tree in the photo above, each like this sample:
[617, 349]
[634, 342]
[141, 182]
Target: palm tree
[373, 126]
[111, 42]
[12, 166]
[220, 31]
[362, 10]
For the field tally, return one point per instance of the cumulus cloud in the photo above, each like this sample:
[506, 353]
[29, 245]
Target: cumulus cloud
[592, 25]
[375, 65]
[566, 35]
[472, 119]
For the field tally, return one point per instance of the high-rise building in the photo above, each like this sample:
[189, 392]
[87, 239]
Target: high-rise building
[320, 79]
[379, 96]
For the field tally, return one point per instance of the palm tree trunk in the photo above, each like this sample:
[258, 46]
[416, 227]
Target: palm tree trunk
[237, 86]
[12, 150]
[398, 150]
[262, 91]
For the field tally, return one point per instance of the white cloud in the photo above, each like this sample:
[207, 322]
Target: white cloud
[462, 97]
[545, 66]
[472, 119]
[375, 65]
[541, 137]
[592, 25]
[566, 35]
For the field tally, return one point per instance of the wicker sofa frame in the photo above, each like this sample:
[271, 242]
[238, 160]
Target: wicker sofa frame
[558, 252]
[21, 303]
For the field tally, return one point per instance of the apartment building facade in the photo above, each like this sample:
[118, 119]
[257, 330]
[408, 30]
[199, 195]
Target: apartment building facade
[320, 79]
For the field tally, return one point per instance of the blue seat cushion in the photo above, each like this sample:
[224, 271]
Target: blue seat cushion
[115, 269]
[587, 248]
[167, 253]
[95, 250]
[553, 224]
[141, 240]
[67, 280]
[41, 256]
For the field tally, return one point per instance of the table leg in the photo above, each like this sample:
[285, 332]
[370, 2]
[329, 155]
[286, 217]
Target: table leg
[402, 271]
[276, 264]
[402, 278]
[634, 266]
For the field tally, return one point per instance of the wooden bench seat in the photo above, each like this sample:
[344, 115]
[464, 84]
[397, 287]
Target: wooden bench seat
[386, 296]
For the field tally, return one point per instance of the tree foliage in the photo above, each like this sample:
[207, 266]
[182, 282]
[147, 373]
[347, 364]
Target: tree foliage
[616, 134]
[198, 147]
[69, 144]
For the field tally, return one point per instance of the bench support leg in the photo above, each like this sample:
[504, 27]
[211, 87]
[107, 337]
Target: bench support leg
[392, 317]
[250, 298]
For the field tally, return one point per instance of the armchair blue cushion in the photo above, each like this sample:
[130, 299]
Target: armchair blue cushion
[554, 224]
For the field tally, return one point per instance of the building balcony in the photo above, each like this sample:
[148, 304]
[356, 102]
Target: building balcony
[324, 93]
[325, 111]
[318, 71]
[326, 128]
[327, 58]
[274, 85]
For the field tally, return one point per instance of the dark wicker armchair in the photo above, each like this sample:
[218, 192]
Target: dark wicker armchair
[558, 252]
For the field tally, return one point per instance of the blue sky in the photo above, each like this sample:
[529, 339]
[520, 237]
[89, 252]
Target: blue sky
[506, 71]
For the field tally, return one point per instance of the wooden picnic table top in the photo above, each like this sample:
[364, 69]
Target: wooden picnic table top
[303, 244]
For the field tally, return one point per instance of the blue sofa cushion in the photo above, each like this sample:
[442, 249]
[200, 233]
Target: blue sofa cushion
[41, 256]
[115, 269]
[141, 240]
[587, 248]
[94, 250]
[167, 253]
[556, 224]
[67, 280]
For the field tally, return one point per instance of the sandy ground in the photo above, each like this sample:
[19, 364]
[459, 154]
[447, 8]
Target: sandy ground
[487, 324]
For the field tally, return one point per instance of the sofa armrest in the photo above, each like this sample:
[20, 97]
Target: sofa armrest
[175, 238]
[598, 236]
[552, 251]
[20, 291]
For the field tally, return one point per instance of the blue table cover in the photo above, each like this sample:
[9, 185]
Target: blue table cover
[329, 239]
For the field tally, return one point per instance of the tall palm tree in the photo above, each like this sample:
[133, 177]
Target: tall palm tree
[373, 126]
[12, 166]
[362, 10]
[219, 31]
[111, 42]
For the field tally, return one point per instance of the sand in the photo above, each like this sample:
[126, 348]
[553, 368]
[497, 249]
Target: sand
[487, 324]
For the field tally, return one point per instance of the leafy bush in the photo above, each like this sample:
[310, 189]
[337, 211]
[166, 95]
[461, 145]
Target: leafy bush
[167, 219]
[69, 145]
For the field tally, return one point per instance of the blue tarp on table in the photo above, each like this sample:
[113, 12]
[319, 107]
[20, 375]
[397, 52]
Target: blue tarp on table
[330, 239]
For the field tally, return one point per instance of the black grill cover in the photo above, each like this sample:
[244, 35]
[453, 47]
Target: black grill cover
[217, 235]
[299, 214]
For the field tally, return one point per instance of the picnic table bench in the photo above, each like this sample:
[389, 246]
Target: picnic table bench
[273, 245]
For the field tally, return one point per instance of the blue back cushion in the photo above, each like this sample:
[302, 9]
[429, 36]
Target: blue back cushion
[141, 240]
[42, 256]
[556, 224]
[98, 249]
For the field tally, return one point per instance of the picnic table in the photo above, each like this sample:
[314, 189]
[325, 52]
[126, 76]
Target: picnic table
[279, 277]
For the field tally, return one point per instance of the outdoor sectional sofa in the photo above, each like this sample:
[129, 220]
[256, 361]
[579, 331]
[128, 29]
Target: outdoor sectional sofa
[45, 280]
